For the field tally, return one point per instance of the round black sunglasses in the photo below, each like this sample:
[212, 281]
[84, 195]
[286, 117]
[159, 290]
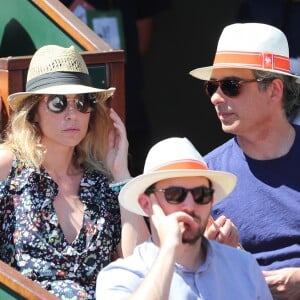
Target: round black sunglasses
[84, 103]
[176, 194]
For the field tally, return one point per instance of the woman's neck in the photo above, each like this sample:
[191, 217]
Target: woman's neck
[60, 163]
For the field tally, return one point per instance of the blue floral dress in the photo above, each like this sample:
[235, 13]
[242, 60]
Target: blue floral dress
[32, 241]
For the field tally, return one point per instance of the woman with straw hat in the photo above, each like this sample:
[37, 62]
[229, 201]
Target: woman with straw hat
[60, 220]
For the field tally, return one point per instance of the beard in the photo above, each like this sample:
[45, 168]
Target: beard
[193, 234]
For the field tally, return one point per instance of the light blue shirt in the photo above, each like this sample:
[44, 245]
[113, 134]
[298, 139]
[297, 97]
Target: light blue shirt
[227, 274]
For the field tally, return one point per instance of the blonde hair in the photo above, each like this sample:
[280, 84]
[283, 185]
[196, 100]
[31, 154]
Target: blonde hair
[24, 137]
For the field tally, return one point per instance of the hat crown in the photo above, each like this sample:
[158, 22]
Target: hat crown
[171, 152]
[253, 37]
[53, 58]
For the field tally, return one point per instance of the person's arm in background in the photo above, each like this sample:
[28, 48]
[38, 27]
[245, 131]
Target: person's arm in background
[1, 121]
[6, 159]
[145, 20]
[134, 227]
[144, 28]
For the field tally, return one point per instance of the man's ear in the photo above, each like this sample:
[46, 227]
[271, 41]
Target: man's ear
[145, 204]
[276, 89]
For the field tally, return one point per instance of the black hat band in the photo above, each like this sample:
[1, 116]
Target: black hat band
[57, 78]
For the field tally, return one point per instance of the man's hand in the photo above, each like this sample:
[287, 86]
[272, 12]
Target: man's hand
[170, 228]
[284, 283]
[223, 231]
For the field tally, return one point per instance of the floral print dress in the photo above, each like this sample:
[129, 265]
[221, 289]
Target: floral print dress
[32, 241]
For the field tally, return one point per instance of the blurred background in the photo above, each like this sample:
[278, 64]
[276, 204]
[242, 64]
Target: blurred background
[184, 37]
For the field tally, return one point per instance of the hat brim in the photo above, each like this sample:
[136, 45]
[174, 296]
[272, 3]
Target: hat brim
[205, 73]
[15, 100]
[223, 183]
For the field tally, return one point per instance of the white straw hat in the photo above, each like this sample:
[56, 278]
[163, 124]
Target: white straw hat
[252, 46]
[57, 70]
[173, 157]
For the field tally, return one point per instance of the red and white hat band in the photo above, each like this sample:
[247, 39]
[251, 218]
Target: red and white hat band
[263, 60]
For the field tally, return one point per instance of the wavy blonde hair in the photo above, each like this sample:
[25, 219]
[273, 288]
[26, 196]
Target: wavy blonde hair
[24, 137]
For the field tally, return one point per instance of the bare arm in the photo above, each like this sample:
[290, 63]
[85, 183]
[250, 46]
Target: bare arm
[134, 228]
[6, 158]
[134, 231]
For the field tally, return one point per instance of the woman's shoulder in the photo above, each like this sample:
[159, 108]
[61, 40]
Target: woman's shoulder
[6, 159]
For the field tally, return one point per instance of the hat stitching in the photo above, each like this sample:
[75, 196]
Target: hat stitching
[69, 64]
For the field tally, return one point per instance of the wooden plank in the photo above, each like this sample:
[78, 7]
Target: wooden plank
[20, 285]
[69, 23]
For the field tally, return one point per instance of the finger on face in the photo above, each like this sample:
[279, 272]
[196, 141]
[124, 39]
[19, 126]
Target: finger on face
[157, 210]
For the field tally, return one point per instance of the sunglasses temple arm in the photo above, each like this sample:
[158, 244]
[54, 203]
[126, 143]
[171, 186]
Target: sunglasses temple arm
[211, 221]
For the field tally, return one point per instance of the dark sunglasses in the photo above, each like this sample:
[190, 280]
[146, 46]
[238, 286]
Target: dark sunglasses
[84, 103]
[177, 194]
[230, 87]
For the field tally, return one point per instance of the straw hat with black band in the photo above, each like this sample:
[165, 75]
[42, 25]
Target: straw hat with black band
[57, 70]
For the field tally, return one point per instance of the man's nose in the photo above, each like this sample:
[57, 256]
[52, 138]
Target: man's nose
[217, 97]
[189, 201]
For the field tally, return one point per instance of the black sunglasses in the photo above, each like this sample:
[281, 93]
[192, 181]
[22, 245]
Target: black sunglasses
[177, 194]
[230, 87]
[84, 103]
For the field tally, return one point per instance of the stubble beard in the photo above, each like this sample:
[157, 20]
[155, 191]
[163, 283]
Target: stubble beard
[192, 237]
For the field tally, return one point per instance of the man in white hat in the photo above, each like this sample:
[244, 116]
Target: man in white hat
[254, 94]
[177, 191]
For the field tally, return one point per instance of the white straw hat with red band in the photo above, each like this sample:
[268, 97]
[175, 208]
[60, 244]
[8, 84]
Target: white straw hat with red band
[254, 46]
[173, 157]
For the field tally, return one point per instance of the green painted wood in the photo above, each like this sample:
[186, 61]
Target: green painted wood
[8, 294]
[98, 76]
[24, 29]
